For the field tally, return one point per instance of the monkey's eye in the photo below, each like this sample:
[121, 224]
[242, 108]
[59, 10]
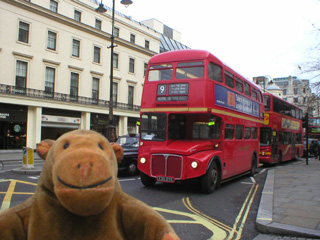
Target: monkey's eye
[66, 145]
[100, 146]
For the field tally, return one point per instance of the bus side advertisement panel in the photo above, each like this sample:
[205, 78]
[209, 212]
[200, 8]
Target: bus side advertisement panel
[232, 100]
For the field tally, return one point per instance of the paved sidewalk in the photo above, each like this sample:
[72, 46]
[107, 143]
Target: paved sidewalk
[290, 201]
[17, 155]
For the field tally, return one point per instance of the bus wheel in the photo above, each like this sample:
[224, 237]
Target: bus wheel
[211, 179]
[253, 165]
[146, 180]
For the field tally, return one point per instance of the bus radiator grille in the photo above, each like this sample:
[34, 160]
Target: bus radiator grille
[166, 165]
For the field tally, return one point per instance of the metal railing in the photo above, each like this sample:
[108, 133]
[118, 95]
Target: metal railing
[54, 96]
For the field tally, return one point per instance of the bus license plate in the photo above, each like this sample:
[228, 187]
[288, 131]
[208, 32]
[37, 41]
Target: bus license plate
[165, 179]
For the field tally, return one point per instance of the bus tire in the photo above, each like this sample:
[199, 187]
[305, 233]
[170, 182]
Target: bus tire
[211, 180]
[253, 168]
[146, 180]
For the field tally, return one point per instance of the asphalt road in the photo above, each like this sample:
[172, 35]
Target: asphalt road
[228, 213]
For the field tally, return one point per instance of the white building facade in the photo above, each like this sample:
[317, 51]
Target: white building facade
[55, 69]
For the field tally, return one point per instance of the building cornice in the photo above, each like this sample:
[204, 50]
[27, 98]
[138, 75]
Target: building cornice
[117, 20]
[29, 6]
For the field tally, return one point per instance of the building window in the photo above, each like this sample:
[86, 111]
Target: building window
[23, 32]
[130, 96]
[295, 100]
[304, 100]
[295, 91]
[145, 68]
[304, 90]
[49, 81]
[284, 91]
[77, 15]
[132, 38]
[21, 76]
[115, 60]
[131, 65]
[98, 24]
[75, 48]
[115, 93]
[95, 90]
[74, 85]
[52, 40]
[53, 6]
[116, 32]
[96, 54]
[147, 44]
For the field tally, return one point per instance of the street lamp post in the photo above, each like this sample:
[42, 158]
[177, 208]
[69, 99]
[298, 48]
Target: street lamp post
[101, 9]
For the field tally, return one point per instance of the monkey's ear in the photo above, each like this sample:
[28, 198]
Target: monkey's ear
[118, 150]
[43, 147]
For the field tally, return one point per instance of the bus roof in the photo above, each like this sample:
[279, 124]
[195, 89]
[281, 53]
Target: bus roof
[186, 54]
[194, 54]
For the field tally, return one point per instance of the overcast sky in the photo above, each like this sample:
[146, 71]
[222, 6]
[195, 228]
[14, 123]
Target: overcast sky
[254, 37]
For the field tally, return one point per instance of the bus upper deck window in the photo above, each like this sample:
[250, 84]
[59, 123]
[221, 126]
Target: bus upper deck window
[247, 89]
[187, 70]
[254, 94]
[215, 72]
[239, 85]
[266, 103]
[229, 79]
[160, 72]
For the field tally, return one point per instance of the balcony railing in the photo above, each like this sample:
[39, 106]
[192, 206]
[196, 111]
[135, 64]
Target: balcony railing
[35, 93]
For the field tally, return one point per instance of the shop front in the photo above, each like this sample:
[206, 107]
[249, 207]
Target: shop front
[13, 121]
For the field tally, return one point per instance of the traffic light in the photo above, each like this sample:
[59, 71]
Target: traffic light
[305, 121]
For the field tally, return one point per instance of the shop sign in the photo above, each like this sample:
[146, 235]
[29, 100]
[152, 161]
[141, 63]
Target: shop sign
[17, 128]
[60, 119]
[4, 115]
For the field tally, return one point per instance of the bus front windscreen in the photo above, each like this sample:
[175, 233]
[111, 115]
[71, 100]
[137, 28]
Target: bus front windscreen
[265, 136]
[153, 126]
[160, 72]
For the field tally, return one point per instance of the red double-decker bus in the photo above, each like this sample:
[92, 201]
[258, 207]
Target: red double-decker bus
[281, 135]
[199, 119]
[314, 128]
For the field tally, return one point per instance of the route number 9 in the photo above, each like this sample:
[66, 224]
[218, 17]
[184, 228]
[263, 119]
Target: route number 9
[162, 89]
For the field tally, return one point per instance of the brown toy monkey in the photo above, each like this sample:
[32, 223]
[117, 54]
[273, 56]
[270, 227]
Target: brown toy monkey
[78, 196]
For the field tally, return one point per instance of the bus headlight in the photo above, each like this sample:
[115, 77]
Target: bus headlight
[194, 164]
[143, 160]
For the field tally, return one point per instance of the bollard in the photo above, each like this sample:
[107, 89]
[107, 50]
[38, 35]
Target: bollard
[28, 158]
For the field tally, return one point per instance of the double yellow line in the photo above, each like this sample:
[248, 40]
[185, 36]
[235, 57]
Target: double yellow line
[228, 233]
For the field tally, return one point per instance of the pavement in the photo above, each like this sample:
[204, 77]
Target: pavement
[290, 202]
[17, 155]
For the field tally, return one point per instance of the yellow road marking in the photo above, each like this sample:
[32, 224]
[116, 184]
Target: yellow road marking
[192, 209]
[22, 193]
[19, 181]
[7, 198]
[217, 232]
[244, 219]
[246, 205]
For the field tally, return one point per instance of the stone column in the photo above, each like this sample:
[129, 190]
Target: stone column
[34, 126]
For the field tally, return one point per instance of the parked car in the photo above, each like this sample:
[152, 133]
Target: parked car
[129, 161]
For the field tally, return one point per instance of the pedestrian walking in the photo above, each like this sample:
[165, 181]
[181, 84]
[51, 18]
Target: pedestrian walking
[315, 148]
